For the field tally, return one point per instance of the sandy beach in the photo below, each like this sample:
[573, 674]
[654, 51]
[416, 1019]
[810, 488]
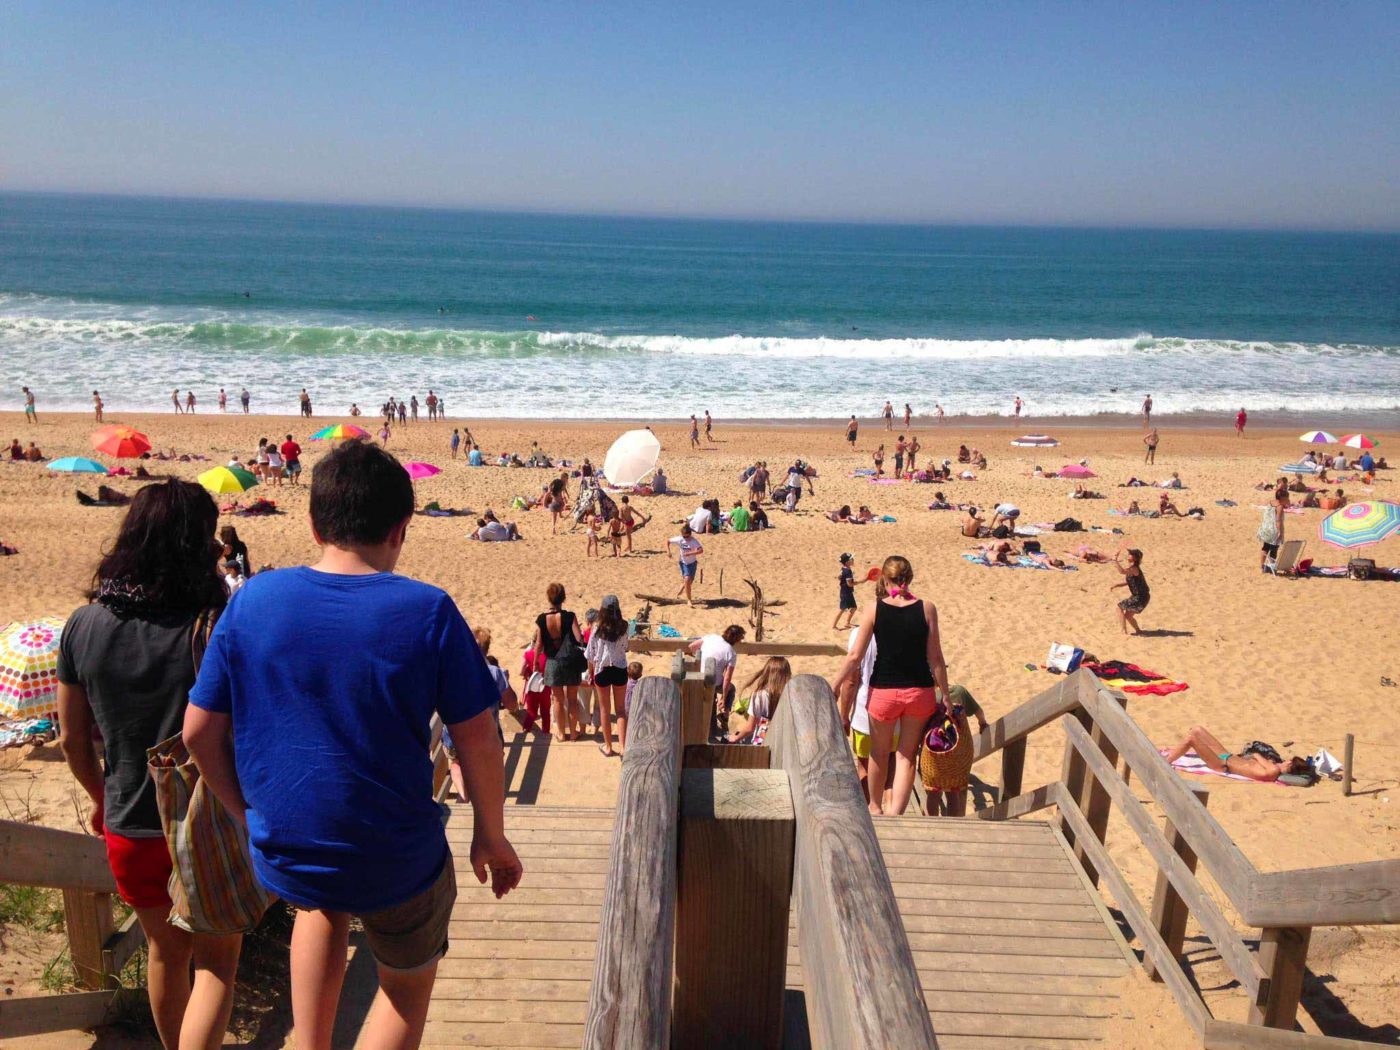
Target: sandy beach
[1297, 663]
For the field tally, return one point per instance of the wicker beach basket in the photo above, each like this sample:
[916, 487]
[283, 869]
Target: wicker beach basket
[947, 768]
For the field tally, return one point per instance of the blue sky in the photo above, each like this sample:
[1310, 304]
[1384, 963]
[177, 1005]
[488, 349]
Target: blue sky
[1189, 113]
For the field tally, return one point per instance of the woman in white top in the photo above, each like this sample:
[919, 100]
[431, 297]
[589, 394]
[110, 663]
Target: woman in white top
[274, 463]
[260, 459]
[766, 693]
[606, 653]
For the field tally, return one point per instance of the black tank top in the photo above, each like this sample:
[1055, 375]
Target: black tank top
[901, 648]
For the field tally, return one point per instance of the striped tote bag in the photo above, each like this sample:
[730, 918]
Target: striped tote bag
[212, 886]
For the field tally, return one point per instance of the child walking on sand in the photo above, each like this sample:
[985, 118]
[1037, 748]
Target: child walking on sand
[341, 819]
[846, 585]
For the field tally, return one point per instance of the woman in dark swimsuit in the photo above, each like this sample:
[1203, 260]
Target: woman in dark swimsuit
[551, 628]
[906, 684]
[1138, 593]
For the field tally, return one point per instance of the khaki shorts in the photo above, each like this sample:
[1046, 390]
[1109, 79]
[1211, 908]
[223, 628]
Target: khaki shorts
[412, 935]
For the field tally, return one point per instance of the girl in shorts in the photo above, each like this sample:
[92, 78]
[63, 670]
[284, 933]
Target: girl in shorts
[908, 676]
[607, 659]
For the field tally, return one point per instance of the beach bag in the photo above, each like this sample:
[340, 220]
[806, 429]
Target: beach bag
[569, 656]
[945, 760]
[212, 886]
[1064, 658]
[1268, 526]
[1263, 750]
[1068, 525]
[1361, 568]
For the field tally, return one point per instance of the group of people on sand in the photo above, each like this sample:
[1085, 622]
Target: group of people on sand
[21, 454]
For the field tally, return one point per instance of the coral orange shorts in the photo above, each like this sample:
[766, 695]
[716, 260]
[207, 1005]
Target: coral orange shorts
[890, 705]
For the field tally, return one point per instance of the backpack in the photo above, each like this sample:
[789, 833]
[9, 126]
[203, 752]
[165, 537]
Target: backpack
[1001, 532]
[1069, 525]
[1263, 750]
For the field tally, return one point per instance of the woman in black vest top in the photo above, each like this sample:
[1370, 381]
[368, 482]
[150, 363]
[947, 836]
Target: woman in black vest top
[908, 667]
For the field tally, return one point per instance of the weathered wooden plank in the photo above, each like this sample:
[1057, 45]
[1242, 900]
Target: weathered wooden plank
[995, 962]
[1013, 766]
[31, 855]
[697, 705]
[1017, 1026]
[508, 929]
[458, 967]
[565, 892]
[488, 909]
[1003, 927]
[457, 1034]
[1239, 959]
[1012, 910]
[630, 1002]
[1064, 947]
[735, 881]
[1019, 805]
[1094, 796]
[463, 950]
[87, 920]
[1344, 894]
[1001, 1042]
[726, 756]
[865, 993]
[1040, 710]
[511, 989]
[906, 877]
[122, 945]
[1283, 953]
[953, 878]
[925, 856]
[559, 1012]
[527, 835]
[959, 829]
[1183, 991]
[1230, 1035]
[41, 1014]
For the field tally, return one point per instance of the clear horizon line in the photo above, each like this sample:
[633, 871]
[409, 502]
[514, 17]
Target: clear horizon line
[740, 219]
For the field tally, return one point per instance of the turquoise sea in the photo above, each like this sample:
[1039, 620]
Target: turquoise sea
[562, 316]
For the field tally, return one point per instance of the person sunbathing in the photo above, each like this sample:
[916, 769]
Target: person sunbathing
[939, 502]
[1311, 500]
[491, 530]
[1212, 752]
[33, 454]
[16, 451]
[964, 455]
[1087, 554]
[1173, 482]
[864, 515]
[1131, 509]
[1297, 485]
[1080, 492]
[1167, 509]
[978, 460]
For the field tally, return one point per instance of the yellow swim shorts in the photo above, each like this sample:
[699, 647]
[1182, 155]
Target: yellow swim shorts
[860, 742]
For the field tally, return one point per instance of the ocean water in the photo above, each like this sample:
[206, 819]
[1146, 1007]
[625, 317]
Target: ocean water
[575, 317]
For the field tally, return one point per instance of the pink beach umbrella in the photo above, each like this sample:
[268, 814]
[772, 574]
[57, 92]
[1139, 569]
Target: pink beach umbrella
[1076, 470]
[421, 470]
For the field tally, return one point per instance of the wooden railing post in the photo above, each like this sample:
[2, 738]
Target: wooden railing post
[1169, 911]
[734, 885]
[1094, 799]
[1283, 953]
[88, 918]
[697, 705]
[1013, 765]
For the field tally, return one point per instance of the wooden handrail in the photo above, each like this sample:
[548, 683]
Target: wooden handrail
[1342, 894]
[1230, 1035]
[1239, 959]
[862, 988]
[31, 855]
[1064, 696]
[629, 1003]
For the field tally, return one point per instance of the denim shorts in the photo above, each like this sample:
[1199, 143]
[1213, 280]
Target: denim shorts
[688, 570]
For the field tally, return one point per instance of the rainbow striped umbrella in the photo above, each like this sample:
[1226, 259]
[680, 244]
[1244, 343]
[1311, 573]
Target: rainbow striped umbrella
[340, 432]
[1360, 524]
[29, 667]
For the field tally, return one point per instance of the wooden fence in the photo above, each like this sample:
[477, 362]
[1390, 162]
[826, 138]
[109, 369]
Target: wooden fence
[1284, 906]
[76, 864]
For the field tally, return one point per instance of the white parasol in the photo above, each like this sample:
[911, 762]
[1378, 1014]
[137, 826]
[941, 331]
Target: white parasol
[632, 457]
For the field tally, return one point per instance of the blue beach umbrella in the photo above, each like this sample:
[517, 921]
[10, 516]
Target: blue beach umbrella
[77, 465]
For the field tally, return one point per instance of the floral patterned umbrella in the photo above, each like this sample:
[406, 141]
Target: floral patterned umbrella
[29, 667]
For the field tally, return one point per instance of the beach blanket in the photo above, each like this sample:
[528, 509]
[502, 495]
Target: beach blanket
[1192, 763]
[1023, 561]
[1339, 572]
[26, 731]
[665, 630]
[1131, 678]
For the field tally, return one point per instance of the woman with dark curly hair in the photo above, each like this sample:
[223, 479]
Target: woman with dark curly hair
[126, 666]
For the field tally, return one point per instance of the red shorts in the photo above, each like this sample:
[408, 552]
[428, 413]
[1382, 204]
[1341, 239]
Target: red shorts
[142, 869]
[890, 705]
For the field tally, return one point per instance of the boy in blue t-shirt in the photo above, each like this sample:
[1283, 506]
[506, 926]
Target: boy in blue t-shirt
[310, 721]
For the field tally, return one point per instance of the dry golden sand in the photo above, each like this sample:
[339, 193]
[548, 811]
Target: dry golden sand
[1282, 661]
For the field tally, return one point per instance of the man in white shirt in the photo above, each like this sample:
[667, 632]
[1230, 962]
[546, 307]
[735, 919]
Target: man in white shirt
[494, 531]
[690, 551]
[700, 521]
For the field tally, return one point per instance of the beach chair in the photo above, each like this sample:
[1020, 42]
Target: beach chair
[1288, 554]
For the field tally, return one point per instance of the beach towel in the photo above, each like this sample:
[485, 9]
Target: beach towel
[1131, 678]
[1192, 763]
[1022, 561]
[665, 630]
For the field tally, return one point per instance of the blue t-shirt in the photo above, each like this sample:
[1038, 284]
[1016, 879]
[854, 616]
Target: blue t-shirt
[331, 682]
[474, 457]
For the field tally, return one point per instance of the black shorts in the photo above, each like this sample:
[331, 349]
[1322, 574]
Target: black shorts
[1133, 605]
[848, 600]
[609, 677]
[851, 438]
[1271, 549]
